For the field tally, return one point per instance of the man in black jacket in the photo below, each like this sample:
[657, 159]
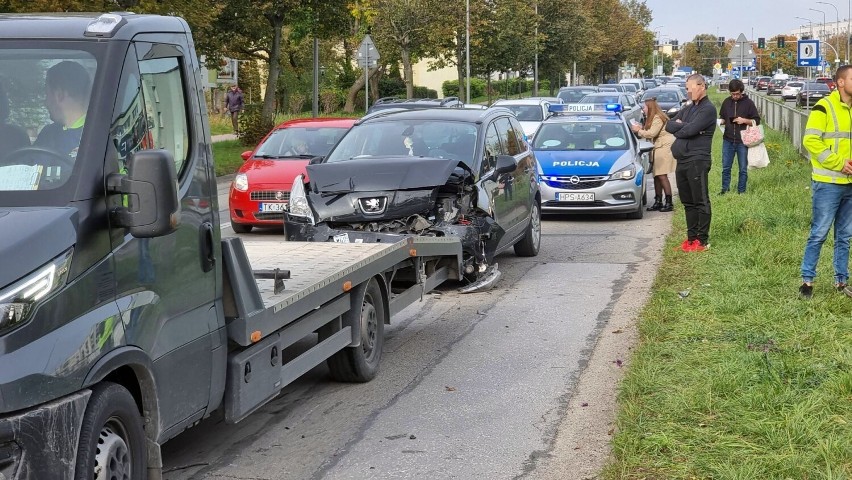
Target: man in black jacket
[736, 114]
[693, 129]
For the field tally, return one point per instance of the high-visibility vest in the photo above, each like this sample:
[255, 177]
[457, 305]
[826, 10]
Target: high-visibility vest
[828, 139]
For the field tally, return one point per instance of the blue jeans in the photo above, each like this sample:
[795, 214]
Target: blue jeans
[832, 203]
[728, 150]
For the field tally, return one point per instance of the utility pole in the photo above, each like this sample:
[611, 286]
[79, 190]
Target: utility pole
[467, 49]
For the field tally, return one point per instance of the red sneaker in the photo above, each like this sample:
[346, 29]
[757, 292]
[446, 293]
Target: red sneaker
[686, 246]
[697, 246]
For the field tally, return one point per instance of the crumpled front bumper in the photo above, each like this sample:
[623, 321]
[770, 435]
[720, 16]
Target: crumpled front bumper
[305, 232]
[42, 442]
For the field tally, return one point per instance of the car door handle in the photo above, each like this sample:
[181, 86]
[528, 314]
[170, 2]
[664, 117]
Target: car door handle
[208, 259]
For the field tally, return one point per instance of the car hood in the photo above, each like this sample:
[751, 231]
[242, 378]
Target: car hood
[582, 163]
[32, 236]
[381, 174]
[273, 172]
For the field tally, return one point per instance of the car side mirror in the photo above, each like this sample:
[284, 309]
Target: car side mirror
[684, 101]
[506, 164]
[645, 146]
[149, 204]
[246, 155]
[316, 160]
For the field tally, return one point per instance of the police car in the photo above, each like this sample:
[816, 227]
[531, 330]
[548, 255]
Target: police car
[590, 161]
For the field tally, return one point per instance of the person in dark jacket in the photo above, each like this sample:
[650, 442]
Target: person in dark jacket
[693, 129]
[737, 113]
[234, 105]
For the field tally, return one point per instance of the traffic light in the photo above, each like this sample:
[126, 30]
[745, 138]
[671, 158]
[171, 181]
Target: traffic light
[780, 42]
[761, 42]
[772, 55]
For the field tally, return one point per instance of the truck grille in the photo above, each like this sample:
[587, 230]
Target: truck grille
[276, 195]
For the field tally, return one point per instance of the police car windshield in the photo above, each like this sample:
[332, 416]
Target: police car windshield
[411, 138]
[581, 135]
[600, 99]
[44, 99]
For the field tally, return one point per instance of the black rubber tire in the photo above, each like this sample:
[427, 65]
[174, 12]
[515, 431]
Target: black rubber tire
[530, 243]
[361, 363]
[240, 227]
[638, 214]
[112, 413]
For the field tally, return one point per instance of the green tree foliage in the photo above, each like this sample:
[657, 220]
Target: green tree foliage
[704, 51]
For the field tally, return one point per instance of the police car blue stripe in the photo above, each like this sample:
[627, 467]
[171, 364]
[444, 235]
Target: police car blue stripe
[578, 163]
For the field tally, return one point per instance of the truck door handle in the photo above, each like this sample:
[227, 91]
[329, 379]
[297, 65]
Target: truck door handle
[206, 247]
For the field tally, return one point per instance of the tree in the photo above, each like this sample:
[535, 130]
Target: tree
[563, 35]
[703, 52]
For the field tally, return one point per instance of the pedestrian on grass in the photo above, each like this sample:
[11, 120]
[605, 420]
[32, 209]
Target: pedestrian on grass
[663, 162]
[827, 140]
[737, 113]
[234, 105]
[693, 129]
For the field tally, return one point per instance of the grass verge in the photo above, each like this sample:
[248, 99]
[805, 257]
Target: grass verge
[226, 156]
[735, 377]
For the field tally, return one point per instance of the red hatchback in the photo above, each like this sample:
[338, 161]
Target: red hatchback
[261, 189]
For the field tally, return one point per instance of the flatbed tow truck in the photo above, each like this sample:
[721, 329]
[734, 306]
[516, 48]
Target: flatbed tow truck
[125, 318]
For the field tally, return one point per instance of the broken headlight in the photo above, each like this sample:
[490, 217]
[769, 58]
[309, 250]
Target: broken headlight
[18, 301]
[299, 200]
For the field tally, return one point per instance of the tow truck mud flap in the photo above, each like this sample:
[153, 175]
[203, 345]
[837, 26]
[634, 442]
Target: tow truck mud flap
[256, 374]
[485, 282]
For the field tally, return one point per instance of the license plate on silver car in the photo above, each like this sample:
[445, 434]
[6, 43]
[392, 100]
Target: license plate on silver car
[576, 197]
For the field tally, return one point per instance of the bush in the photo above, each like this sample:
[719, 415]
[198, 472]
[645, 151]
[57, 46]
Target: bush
[331, 100]
[391, 87]
[252, 127]
[297, 103]
[450, 88]
[423, 92]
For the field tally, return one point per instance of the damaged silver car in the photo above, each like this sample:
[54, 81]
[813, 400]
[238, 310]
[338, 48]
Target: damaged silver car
[439, 172]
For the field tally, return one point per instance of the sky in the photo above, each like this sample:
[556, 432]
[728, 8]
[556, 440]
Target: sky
[681, 21]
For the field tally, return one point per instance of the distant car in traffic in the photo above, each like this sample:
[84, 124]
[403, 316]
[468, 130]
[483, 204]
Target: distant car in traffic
[574, 93]
[415, 103]
[631, 110]
[826, 80]
[763, 83]
[775, 86]
[790, 90]
[810, 93]
[530, 113]
[670, 99]
[260, 192]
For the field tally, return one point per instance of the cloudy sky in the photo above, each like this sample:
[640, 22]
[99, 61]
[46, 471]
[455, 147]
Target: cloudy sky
[683, 20]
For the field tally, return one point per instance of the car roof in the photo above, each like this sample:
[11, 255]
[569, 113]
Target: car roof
[520, 101]
[470, 115]
[596, 116]
[67, 26]
[331, 122]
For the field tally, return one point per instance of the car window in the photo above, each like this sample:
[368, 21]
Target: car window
[628, 100]
[572, 96]
[492, 149]
[525, 113]
[508, 139]
[600, 99]
[569, 136]
[519, 134]
[299, 142]
[129, 130]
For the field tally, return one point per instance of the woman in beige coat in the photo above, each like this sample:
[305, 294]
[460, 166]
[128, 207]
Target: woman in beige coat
[664, 162]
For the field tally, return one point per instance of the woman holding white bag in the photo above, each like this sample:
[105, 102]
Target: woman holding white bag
[737, 113]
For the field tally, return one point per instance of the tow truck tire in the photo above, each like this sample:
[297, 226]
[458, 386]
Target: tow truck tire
[530, 243]
[240, 227]
[361, 363]
[112, 438]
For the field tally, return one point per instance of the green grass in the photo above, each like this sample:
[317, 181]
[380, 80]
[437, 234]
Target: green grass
[226, 156]
[741, 379]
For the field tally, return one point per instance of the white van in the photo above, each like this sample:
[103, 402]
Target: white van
[640, 85]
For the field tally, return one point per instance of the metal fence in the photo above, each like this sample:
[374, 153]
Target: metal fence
[786, 119]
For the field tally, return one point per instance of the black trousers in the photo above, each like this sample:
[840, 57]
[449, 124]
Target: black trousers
[691, 176]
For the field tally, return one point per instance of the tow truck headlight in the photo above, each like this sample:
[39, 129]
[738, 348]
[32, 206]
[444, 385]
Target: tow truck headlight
[17, 301]
[241, 182]
[299, 200]
[625, 173]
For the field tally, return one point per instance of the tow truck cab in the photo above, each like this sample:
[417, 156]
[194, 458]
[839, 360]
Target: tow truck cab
[111, 278]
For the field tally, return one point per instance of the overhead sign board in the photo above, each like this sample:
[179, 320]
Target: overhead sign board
[808, 53]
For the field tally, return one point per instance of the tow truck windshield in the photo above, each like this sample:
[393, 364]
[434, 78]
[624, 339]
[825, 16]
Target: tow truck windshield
[44, 97]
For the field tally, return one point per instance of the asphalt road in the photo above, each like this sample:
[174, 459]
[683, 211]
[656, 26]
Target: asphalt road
[471, 386]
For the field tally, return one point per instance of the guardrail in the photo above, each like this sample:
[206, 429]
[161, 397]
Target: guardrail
[776, 115]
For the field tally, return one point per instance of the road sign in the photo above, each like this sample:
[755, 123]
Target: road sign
[808, 53]
[367, 53]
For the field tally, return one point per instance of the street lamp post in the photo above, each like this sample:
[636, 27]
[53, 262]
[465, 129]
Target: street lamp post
[656, 31]
[820, 37]
[812, 36]
[837, 12]
[467, 50]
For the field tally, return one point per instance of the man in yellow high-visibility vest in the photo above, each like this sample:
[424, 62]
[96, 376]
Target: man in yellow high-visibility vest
[828, 140]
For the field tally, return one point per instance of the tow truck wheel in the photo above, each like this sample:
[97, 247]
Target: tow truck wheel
[112, 439]
[361, 363]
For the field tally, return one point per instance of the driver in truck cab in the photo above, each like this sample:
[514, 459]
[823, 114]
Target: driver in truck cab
[67, 89]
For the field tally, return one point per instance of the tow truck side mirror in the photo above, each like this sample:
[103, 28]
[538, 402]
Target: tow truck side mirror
[149, 205]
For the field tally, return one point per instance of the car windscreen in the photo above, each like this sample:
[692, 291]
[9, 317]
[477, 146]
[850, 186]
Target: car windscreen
[650, 84]
[573, 96]
[794, 84]
[415, 138]
[525, 113]
[600, 99]
[662, 96]
[584, 135]
[817, 87]
[630, 88]
[45, 89]
[299, 142]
